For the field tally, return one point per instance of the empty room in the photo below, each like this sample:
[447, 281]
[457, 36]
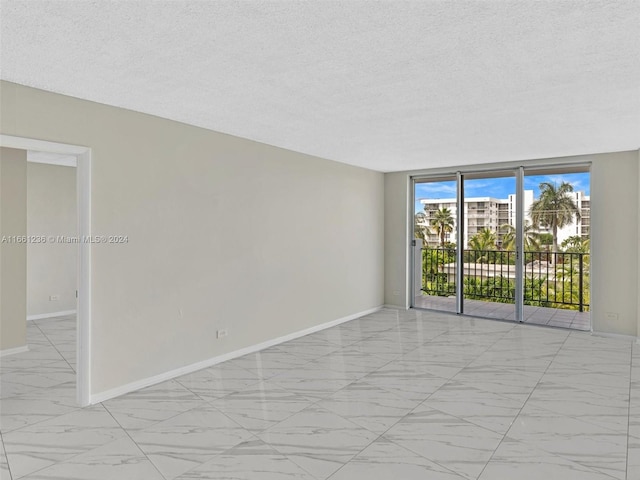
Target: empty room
[337, 240]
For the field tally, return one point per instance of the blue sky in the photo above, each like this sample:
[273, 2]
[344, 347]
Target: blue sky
[498, 187]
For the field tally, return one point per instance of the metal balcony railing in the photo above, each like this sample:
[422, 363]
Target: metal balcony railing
[555, 280]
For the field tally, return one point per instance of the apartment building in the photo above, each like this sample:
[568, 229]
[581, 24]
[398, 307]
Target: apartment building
[493, 213]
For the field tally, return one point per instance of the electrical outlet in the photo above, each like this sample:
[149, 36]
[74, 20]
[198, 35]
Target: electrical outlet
[396, 293]
[611, 316]
[221, 333]
[53, 298]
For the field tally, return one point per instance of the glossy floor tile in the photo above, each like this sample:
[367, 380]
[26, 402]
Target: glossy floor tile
[553, 317]
[393, 395]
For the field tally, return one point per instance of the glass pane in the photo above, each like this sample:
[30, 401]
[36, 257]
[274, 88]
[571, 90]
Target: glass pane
[435, 229]
[489, 259]
[557, 247]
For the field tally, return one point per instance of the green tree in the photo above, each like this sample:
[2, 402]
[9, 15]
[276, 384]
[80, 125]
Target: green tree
[576, 244]
[485, 239]
[481, 243]
[531, 237]
[435, 279]
[554, 209]
[442, 221]
[576, 263]
[546, 239]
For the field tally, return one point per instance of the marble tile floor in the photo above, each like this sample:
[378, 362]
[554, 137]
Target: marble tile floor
[552, 317]
[406, 395]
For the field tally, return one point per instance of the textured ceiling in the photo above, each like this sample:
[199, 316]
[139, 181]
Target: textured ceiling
[389, 85]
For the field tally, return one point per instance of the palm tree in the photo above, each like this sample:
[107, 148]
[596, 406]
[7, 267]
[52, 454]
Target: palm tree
[443, 223]
[481, 243]
[554, 209]
[576, 244]
[531, 237]
[485, 239]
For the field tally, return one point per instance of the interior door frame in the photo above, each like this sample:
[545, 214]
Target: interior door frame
[83, 278]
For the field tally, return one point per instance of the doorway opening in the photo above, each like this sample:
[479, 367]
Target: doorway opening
[81, 157]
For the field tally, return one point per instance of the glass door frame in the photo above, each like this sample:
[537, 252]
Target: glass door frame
[520, 244]
[416, 277]
[519, 174]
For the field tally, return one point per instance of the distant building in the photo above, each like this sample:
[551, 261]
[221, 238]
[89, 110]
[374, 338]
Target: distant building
[492, 213]
[583, 226]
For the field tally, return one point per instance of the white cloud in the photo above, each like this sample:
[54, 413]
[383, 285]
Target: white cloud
[436, 190]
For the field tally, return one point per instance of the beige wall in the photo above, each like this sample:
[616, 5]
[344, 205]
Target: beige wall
[615, 208]
[51, 212]
[396, 239]
[614, 240]
[13, 256]
[223, 233]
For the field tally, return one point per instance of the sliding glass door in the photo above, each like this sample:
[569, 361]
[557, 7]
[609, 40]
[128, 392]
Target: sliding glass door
[509, 244]
[434, 243]
[489, 241]
[556, 246]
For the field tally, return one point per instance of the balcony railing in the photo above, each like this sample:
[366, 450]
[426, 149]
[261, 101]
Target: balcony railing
[554, 280]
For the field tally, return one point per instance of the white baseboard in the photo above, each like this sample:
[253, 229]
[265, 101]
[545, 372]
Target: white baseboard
[12, 351]
[163, 377]
[40, 316]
